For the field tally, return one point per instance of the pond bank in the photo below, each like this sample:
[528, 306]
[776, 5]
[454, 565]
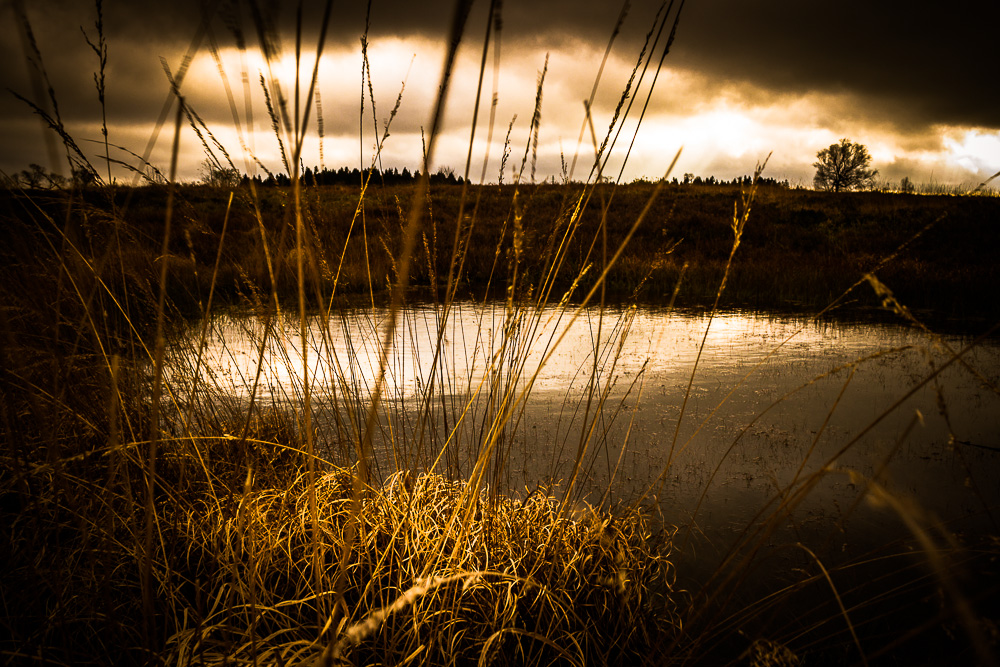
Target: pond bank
[802, 250]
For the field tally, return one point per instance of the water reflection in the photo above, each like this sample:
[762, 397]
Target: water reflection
[776, 405]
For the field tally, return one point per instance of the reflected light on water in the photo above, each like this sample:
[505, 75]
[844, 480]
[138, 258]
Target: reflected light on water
[773, 402]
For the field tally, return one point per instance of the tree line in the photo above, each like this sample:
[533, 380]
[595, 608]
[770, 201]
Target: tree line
[841, 167]
[343, 176]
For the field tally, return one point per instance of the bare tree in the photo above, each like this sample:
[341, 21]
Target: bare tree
[844, 166]
[218, 176]
[36, 176]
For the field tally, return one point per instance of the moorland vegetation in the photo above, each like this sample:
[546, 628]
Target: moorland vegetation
[148, 516]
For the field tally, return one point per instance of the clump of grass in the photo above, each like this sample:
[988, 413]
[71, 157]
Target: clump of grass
[525, 585]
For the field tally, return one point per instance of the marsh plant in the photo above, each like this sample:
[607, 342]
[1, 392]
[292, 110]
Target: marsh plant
[161, 510]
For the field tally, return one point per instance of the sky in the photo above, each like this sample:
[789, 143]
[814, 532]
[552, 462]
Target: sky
[742, 80]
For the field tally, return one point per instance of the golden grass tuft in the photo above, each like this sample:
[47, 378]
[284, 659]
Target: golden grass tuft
[526, 585]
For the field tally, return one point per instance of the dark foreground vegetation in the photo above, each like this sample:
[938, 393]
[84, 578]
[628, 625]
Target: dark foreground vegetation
[229, 536]
[219, 536]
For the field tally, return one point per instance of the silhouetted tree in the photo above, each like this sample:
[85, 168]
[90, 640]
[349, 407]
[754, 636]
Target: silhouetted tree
[83, 178]
[844, 166]
[218, 176]
[36, 176]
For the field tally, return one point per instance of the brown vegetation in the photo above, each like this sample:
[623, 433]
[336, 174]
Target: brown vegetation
[149, 517]
[802, 250]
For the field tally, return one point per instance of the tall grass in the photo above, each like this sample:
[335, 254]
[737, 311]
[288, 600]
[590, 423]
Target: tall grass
[162, 510]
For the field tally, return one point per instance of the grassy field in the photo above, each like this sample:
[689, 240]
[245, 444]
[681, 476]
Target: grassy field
[223, 534]
[148, 517]
[801, 250]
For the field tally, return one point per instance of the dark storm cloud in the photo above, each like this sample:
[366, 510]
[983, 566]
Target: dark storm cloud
[916, 61]
[520, 18]
[912, 63]
[838, 67]
[921, 62]
[140, 34]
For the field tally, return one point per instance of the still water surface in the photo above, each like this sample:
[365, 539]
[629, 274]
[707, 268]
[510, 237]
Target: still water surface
[715, 435]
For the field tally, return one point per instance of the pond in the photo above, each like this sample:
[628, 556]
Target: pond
[752, 432]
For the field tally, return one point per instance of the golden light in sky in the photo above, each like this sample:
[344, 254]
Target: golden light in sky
[729, 100]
